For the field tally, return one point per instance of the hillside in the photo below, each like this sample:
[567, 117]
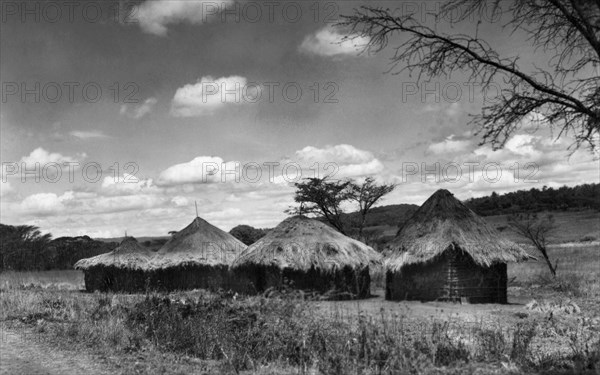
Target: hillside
[581, 197]
[394, 215]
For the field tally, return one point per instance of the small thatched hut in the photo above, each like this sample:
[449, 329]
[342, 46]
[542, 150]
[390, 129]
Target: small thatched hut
[446, 252]
[121, 270]
[198, 256]
[306, 254]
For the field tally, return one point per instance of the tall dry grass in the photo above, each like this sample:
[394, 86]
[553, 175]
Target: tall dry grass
[254, 334]
[578, 271]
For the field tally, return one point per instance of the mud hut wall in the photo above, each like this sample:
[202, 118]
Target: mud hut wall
[115, 279]
[244, 279]
[187, 277]
[257, 279]
[452, 277]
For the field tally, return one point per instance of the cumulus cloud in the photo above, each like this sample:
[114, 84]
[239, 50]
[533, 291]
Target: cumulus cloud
[154, 15]
[87, 134]
[525, 162]
[137, 112]
[45, 203]
[449, 145]
[40, 155]
[352, 162]
[330, 42]
[202, 169]
[86, 203]
[127, 184]
[6, 189]
[180, 201]
[208, 95]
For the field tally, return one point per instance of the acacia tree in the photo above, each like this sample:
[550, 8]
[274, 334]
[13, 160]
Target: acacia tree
[366, 195]
[324, 197]
[538, 231]
[564, 97]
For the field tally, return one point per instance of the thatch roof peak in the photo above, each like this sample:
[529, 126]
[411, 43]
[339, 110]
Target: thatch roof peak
[301, 243]
[129, 254]
[443, 222]
[199, 243]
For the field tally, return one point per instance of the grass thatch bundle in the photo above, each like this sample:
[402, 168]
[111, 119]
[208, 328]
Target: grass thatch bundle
[310, 255]
[196, 257]
[128, 255]
[444, 223]
[302, 243]
[200, 243]
[446, 252]
[123, 269]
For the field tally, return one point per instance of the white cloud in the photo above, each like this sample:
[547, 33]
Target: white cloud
[343, 153]
[154, 15]
[127, 184]
[45, 203]
[39, 155]
[227, 213]
[202, 169]
[330, 42]
[180, 201]
[233, 198]
[6, 189]
[449, 145]
[208, 95]
[87, 134]
[352, 162]
[137, 112]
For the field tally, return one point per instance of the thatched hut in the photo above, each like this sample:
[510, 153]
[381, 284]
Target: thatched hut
[198, 256]
[121, 270]
[306, 254]
[446, 252]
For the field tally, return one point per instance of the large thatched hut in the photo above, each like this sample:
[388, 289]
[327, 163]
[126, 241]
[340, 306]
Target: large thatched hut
[306, 254]
[198, 256]
[446, 252]
[121, 270]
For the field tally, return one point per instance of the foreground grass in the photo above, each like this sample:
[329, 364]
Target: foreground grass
[197, 332]
[218, 333]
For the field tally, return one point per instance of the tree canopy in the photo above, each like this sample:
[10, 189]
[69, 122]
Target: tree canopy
[564, 96]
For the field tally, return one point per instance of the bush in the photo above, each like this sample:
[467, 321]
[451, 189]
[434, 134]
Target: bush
[588, 238]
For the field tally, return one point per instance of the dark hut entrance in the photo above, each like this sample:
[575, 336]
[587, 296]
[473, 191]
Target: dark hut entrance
[452, 276]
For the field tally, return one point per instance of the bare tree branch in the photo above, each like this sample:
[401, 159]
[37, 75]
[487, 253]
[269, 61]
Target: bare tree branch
[567, 96]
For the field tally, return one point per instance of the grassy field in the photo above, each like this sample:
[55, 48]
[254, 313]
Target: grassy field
[550, 326]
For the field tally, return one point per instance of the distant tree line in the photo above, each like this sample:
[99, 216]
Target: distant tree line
[24, 247]
[248, 234]
[565, 198]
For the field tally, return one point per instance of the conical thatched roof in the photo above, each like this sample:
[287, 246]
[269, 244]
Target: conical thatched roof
[300, 243]
[200, 243]
[129, 254]
[442, 223]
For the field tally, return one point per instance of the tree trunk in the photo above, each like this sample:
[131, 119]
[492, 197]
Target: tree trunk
[548, 262]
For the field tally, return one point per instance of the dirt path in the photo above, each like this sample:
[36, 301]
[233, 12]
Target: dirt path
[21, 353]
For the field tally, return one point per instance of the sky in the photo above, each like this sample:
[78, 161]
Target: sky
[120, 115]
